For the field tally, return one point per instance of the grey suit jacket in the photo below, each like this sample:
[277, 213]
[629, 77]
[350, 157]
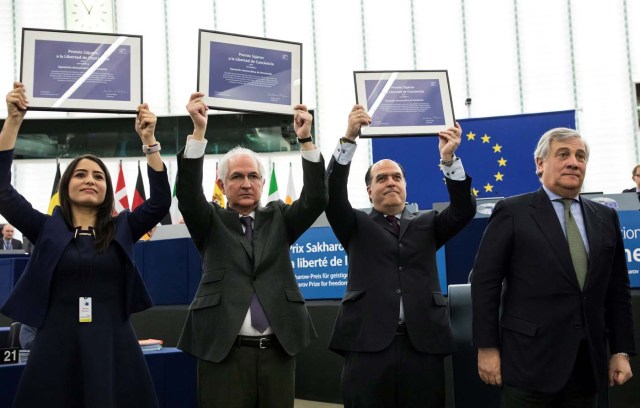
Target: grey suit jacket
[232, 269]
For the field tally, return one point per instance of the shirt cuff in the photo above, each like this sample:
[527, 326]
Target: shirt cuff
[194, 149]
[311, 155]
[344, 152]
[455, 171]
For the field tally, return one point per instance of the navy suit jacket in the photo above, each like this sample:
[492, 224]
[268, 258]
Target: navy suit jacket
[29, 300]
[524, 268]
[384, 266]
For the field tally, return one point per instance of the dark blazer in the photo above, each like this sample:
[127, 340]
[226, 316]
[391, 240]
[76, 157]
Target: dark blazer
[15, 244]
[629, 190]
[29, 300]
[383, 267]
[231, 269]
[545, 315]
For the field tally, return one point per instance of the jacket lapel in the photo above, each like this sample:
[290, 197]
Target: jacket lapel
[231, 220]
[545, 217]
[405, 220]
[379, 219]
[593, 224]
[264, 215]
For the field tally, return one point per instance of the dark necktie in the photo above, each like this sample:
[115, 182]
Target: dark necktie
[576, 245]
[259, 319]
[395, 225]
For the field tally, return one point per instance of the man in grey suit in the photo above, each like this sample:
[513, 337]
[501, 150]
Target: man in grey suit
[8, 241]
[392, 327]
[248, 319]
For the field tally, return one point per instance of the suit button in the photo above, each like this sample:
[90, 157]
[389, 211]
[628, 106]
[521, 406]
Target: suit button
[398, 291]
[401, 268]
[400, 245]
[577, 326]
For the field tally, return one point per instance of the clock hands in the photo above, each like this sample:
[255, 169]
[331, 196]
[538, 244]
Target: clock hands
[89, 9]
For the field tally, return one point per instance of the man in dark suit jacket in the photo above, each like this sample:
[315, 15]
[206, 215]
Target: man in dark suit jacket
[554, 265]
[8, 242]
[393, 327]
[248, 318]
[635, 176]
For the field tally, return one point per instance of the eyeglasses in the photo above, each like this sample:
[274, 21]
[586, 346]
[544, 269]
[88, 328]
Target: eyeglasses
[253, 177]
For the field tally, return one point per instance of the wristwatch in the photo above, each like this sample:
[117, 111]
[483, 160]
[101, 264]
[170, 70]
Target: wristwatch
[151, 149]
[448, 163]
[305, 140]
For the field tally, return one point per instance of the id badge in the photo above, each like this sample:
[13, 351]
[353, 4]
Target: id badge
[84, 306]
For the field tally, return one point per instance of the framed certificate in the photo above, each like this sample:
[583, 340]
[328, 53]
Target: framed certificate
[77, 71]
[404, 103]
[249, 74]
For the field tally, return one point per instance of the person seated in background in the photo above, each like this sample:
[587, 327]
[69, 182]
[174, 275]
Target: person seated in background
[8, 242]
[635, 176]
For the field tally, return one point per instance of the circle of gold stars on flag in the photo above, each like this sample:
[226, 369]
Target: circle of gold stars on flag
[501, 164]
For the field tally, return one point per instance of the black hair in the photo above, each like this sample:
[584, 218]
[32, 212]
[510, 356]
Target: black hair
[104, 228]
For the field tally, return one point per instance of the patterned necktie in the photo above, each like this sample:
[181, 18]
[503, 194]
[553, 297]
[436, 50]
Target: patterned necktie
[576, 245]
[7, 245]
[259, 319]
[395, 225]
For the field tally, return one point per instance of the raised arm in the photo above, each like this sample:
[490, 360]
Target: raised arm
[151, 212]
[16, 109]
[313, 197]
[339, 212]
[146, 127]
[14, 207]
[193, 205]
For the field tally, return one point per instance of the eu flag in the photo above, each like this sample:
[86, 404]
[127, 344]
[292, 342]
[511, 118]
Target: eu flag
[497, 152]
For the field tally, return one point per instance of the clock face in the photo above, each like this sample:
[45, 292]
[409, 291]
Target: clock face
[89, 15]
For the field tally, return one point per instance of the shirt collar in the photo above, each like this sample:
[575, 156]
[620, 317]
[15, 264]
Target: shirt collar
[553, 196]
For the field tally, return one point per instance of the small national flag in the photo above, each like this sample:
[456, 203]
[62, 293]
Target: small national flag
[218, 196]
[273, 186]
[55, 198]
[291, 189]
[121, 198]
[139, 195]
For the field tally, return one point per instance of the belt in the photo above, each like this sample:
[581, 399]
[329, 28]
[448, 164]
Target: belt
[260, 342]
[401, 329]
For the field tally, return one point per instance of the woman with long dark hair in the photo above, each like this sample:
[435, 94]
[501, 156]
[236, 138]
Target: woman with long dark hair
[81, 284]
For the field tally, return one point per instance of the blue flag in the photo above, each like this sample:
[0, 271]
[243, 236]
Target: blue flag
[497, 153]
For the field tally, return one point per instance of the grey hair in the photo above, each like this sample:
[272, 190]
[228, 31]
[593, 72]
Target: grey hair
[560, 135]
[223, 165]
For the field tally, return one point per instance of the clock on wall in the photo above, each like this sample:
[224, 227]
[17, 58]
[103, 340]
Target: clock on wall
[89, 15]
